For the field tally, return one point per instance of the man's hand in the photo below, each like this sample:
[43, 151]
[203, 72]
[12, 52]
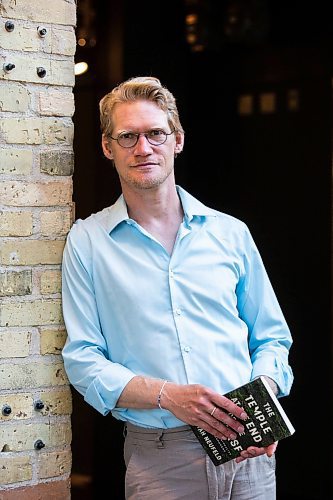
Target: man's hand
[253, 452]
[194, 404]
[198, 405]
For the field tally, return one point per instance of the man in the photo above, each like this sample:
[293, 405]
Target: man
[168, 306]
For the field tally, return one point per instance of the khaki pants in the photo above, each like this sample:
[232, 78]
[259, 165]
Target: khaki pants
[170, 464]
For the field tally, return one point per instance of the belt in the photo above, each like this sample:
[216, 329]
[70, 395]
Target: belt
[158, 435]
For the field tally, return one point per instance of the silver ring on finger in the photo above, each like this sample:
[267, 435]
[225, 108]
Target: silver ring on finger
[213, 411]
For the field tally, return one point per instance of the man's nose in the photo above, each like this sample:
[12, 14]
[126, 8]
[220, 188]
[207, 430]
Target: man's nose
[143, 145]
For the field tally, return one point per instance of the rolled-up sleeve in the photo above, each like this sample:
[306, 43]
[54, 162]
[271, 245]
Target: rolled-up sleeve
[269, 335]
[85, 353]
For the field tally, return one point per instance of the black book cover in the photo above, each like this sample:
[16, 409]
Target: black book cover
[266, 424]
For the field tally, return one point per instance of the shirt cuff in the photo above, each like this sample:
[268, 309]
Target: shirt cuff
[278, 371]
[104, 392]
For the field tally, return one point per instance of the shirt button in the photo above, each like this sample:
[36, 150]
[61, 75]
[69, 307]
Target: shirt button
[187, 348]
[171, 274]
[178, 312]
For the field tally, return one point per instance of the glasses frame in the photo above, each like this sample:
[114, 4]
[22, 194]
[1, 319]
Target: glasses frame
[138, 134]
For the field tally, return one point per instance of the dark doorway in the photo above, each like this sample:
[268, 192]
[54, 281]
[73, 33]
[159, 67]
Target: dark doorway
[260, 76]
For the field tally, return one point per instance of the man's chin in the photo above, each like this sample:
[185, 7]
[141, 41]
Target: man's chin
[146, 182]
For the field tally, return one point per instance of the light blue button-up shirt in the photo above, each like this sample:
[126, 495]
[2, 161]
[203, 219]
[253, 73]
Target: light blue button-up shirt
[206, 314]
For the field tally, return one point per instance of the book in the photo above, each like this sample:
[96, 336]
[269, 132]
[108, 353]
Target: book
[266, 424]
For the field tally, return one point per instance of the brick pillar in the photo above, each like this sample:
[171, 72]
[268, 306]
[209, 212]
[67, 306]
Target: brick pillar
[36, 163]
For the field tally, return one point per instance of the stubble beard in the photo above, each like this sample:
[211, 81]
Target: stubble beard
[147, 182]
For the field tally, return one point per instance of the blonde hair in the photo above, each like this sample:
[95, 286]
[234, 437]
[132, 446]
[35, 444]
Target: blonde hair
[140, 87]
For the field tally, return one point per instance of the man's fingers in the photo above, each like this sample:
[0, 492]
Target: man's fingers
[270, 450]
[254, 451]
[220, 417]
[219, 430]
[229, 407]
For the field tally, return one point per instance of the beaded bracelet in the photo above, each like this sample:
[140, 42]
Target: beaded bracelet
[160, 394]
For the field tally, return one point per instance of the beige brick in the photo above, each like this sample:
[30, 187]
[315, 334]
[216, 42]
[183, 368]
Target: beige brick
[14, 469]
[58, 72]
[31, 252]
[22, 436]
[15, 223]
[53, 464]
[57, 162]
[15, 161]
[15, 344]
[42, 194]
[13, 97]
[56, 103]
[57, 402]
[52, 341]
[50, 282]
[26, 39]
[63, 42]
[34, 313]
[55, 223]
[15, 283]
[59, 12]
[23, 38]
[21, 405]
[31, 375]
[37, 130]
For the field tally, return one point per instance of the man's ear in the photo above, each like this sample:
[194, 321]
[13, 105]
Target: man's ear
[179, 143]
[106, 148]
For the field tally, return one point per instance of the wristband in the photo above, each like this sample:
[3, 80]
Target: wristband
[160, 394]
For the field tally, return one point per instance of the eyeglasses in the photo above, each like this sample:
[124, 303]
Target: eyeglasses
[155, 137]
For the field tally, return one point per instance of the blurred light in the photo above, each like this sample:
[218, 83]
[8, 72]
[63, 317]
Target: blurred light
[198, 48]
[81, 42]
[293, 100]
[191, 19]
[191, 38]
[80, 68]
